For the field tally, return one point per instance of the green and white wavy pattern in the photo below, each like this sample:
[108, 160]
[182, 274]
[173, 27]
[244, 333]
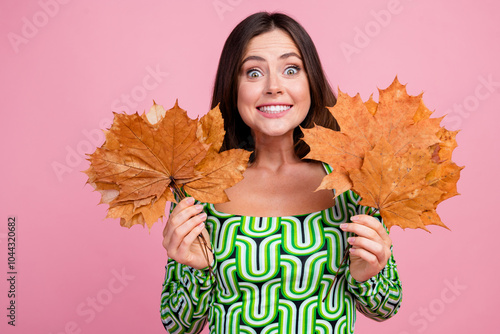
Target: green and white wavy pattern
[272, 275]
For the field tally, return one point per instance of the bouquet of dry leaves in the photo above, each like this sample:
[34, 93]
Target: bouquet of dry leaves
[148, 158]
[391, 153]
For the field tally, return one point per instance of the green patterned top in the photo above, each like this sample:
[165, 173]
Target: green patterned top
[272, 274]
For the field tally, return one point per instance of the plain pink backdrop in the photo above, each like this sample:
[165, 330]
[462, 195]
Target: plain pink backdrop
[65, 65]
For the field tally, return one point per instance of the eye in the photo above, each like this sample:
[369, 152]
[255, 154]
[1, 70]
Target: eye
[253, 73]
[292, 70]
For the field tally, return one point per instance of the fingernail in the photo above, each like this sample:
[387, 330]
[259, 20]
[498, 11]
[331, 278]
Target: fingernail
[354, 218]
[350, 240]
[190, 200]
[199, 207]
[203, 215]
[343, 226]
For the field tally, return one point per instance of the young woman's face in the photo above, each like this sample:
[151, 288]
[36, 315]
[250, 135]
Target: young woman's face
[273, 88]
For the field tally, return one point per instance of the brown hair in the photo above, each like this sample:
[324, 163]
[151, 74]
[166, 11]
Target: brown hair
[225, 92]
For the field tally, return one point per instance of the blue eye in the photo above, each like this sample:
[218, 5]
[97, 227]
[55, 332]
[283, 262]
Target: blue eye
[292, 70]
[253, 73]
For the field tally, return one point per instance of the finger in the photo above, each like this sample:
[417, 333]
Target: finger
[187, 213]
[176, 234]
[368, 257]
[380, 250]
[180, 216]
[374, 224]
[185, 202]
[361, 230]
[185, 246]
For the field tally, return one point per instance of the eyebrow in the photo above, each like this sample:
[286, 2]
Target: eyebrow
[283, 56]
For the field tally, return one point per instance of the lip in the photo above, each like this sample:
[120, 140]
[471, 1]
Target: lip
[275, 114]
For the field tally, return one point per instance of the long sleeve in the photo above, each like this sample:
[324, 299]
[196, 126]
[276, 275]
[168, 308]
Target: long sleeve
[185, 298]
[379, 297]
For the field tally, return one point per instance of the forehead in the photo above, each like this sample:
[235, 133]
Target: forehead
[276, 41]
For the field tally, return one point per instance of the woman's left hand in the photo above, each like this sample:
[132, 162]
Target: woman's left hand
[371, 247]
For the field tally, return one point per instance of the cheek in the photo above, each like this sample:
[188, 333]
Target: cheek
[248, 96]
[243, 102]
[306, 91]
[242, 95]
[303, 95]
[300, 90]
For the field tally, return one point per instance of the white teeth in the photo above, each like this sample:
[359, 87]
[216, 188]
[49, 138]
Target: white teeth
[274, 109]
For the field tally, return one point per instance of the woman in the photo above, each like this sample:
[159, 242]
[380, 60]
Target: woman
[277, 243]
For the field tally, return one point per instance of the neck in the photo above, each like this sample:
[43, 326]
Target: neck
[274, 153]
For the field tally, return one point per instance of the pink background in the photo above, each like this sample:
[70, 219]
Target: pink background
[65, 65]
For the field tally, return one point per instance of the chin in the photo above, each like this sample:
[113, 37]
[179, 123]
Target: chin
[278, 132]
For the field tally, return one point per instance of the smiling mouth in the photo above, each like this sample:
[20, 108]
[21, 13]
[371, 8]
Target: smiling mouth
[274, 109]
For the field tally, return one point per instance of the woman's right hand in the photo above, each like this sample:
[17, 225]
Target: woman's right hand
[180, 235]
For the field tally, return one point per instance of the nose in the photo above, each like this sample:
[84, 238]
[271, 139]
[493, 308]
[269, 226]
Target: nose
[274, 84]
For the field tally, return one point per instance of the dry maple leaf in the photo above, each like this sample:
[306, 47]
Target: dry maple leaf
[210, 130]
[400, 124]
[362, 125]
[396, 185]
[395, 117]
[343, 150]
[146, 158]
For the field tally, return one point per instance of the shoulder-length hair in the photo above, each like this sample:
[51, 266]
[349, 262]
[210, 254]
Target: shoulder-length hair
[225, 91]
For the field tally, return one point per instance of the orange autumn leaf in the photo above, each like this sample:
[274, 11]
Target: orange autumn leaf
[447, 143]
[371, 105]
[210, 130]
[395, 119]
[396, 185]
[445, 174]
[145, 157]
[343, 150]
[362, 124]
[401, 125]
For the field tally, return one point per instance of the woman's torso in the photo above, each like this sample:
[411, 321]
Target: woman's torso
[274, 272]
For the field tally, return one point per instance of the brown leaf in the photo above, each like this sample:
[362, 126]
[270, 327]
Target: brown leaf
[396, 184]
[131, 215]
[343, 150]
[422, 112]
[401, 123]
[109, 191]
[432, 218]
[445, 177]
[218, 172]
[356, 122]
[371, 105]
[395, 119]
[211, 129]
[338, 151]
[149, 157]
[155, 113]
[339, 181]
[396, 109]
[447, 143]
[363, 124]
[140, 163]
